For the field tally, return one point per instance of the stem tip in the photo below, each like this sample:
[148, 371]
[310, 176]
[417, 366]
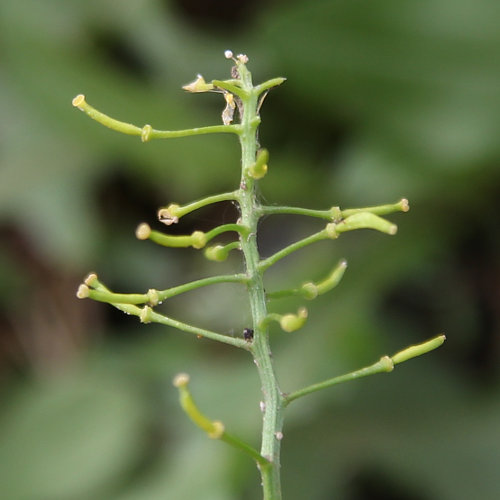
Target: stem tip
[405, 205]
[78, 100]
[90, 279]
[143, 231]
[181, 380]
[83, 292]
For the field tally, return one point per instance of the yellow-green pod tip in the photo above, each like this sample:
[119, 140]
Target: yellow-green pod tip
[83, 291]
[143, 231]
[181, 380]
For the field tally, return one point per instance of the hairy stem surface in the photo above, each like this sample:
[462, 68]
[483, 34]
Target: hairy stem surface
[272, 403]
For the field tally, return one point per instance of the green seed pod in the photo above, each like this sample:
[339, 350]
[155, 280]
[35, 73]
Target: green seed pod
[417, 350]
[292, 322]
[333, 279]
[366, 220]
[217, 253]
[259, 168]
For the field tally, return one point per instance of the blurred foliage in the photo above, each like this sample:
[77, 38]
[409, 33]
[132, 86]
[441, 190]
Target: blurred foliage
[383, 99]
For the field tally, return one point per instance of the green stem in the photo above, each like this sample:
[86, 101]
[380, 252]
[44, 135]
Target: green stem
[383, 365]
[401, 206]
[214, 428]
[310, 290]
[147, 315]
[177, 211]
[198, 239]
[321, 214]
[147, 132]
[105, 295]
[239, 228]
[212, 280]
[272, 403]
[231, 87]
[335, 213]
[246, 448]
[308, 240]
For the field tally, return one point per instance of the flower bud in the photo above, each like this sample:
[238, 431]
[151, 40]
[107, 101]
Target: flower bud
[198, 85]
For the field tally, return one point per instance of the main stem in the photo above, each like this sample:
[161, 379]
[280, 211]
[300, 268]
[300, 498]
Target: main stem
[272, 404]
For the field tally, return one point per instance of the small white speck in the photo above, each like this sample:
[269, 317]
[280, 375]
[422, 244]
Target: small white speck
[278, 435]
[262, 406]
[228, 54]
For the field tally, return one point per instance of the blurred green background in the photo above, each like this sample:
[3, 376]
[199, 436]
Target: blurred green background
[384, 99]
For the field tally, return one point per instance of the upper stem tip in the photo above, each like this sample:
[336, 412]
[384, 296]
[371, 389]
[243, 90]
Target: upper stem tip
[78, 100]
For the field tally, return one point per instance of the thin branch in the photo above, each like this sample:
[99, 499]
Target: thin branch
[214, 428]
[97, 291]
[147, 315]
[239, 228]
[400, 206]
[331, 214]
[274, 82]
[313, 238]
[310, 290]
[385, 364]
[147, 132]
[171, 214]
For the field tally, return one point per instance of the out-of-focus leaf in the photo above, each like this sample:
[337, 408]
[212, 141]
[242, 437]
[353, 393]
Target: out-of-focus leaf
[67, 438]
[418, 75]
[52, 154]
